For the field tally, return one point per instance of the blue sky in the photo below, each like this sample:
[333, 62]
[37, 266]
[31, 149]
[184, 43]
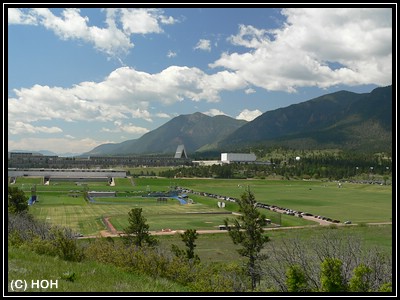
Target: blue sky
[81, 77]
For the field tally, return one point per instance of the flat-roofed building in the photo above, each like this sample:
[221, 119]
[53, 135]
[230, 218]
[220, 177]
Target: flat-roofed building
[237, 157]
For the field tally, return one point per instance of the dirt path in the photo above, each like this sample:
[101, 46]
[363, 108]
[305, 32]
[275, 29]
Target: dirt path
[111, 231]
[115, 233]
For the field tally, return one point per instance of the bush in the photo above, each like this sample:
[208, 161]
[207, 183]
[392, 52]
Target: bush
[360, 282]
[106, 252]
[386, 288]
[65, 245]
[331, 275]
[296, 280]
[15, 239]
[220, 278]
[26, 227]
[42, 247]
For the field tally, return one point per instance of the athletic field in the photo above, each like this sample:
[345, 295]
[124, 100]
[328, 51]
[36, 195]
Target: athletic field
[63, 203]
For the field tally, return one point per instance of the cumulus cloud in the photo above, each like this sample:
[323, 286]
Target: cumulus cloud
[250, 36]
[144, 21]
[17, 16]
[204, 45]
[302, 53]
[124, 94]
[111, 39]
[249, 115]
[214, 112]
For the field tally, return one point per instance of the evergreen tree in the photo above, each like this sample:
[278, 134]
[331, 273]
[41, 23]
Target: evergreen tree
[137, 232]
[17, 201]
[248, 232]
[188, 237]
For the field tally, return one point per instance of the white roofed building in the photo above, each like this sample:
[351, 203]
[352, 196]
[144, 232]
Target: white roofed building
[237, 157]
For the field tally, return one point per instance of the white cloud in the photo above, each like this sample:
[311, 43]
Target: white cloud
[171, 54]
[249, 115]
[71, 25]
[225, 80]
[124, 94]
[111, 40]
[167, 20]
[163, 115]
[250, 91]
[144, 21]
[129, 128]
[57, 145]
[301, 52]
[21, 127]
[258, 37]
[204, 45]
[16, 16]
[214, 112]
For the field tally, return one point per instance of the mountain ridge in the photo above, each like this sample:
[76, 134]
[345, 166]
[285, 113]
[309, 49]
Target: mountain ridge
[192, 130]
[343, 119]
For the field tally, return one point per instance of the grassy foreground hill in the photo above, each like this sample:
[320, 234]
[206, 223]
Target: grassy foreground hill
[86, 276]
[94, 277]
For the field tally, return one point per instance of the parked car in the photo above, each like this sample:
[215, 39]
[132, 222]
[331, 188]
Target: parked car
[347, 222]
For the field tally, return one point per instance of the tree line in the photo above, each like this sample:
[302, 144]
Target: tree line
[327, 166]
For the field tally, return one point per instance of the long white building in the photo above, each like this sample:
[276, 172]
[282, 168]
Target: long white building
[237, 157]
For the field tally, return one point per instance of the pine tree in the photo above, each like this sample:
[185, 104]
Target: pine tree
[138, 231]
[248, 232]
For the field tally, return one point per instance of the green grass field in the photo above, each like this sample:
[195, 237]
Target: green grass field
[218, 247]
[355, 202]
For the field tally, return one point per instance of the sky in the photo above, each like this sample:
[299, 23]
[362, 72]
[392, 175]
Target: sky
[81, 77]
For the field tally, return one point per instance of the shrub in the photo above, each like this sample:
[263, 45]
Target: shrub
[66, 246]
[42, 247]
[360, 282]
[386, 287]
[296, 280]
[331, 275]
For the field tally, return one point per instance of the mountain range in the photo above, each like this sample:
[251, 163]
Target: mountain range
[342, 120]
[194, 131]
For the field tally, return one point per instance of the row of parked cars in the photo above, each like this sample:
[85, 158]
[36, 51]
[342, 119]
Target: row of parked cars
[299, 214]
[274, 208]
